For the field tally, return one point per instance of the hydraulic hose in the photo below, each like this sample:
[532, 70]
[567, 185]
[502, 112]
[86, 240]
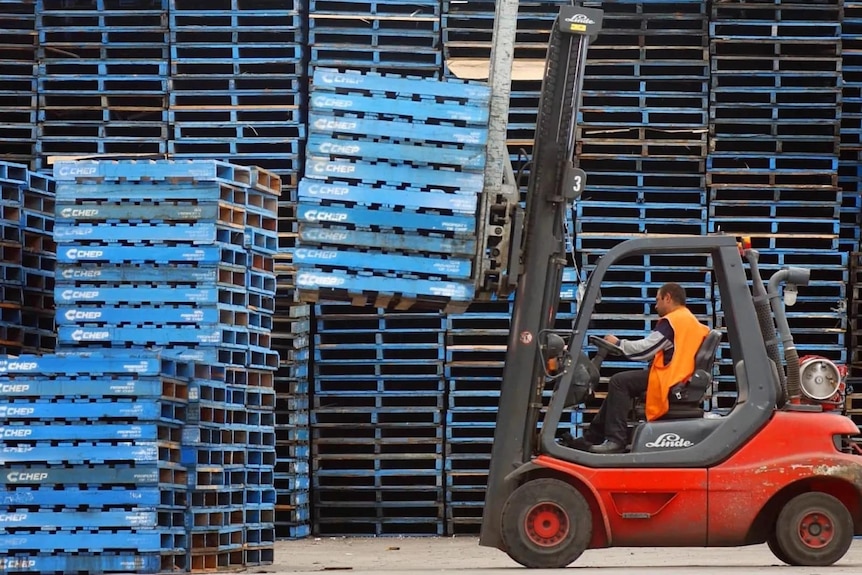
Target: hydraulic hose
[796, 276]
[764, 318]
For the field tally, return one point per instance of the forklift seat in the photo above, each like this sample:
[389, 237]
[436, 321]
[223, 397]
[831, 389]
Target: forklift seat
[686, 398]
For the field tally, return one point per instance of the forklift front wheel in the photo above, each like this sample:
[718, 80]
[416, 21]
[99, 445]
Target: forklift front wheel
[546, 524]
[813, 529]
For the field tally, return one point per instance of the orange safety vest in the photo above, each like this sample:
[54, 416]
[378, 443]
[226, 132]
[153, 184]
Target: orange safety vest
[688, 334]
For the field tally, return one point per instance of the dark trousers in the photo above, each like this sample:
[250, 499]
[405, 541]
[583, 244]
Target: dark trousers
[610, 422]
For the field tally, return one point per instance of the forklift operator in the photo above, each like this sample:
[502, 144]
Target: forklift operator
[677, 336]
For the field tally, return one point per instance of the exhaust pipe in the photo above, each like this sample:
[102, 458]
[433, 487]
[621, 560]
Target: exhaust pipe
[764, 318]
[793, 277]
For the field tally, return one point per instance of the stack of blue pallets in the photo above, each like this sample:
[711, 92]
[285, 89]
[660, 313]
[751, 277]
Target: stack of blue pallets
[642, 143]
[849, 173]
[179, 256]
[377, 429]
[385, 36]
[102, 77]
[91, 448]
[28, 252]
[393, 173]
[236, 82]
[774, 157]
[291, 338]
[18, 91]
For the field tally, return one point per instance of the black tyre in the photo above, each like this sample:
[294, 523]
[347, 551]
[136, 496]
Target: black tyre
[546, 524]
[813, 529]
[772, 542]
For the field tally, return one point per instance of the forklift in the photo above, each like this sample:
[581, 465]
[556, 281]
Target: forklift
[783, 466]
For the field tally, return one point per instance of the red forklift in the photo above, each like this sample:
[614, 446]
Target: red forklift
[783, 466]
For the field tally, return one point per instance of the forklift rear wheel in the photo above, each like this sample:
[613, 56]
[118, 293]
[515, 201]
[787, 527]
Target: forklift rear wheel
[772, 542]
[547, 524]
[813, 529]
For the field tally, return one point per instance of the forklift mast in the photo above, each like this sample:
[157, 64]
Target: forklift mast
[539, 255]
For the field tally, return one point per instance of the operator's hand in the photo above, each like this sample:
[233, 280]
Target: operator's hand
[612, 339]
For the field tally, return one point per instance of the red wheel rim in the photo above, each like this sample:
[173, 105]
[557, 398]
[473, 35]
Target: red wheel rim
[816, 530]
[547, 524]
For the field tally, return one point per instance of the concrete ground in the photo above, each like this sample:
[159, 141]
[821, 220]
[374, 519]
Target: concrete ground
[396, 556]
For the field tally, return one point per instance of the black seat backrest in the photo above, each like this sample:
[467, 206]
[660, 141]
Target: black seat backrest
[705, 356]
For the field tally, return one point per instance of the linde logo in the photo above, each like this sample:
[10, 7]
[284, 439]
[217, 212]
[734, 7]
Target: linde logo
[332, 148]
[78, 314]
[78, 213]
[579, 19]
[330, 102]
[72, 274]
[26, 476]
[16, 432]
[76, 254]
[67, 169]
[327, 168]
[81, 335]
[305, 253]
[326, 124]
[325, 235]
[310, 279]
[6, 365]
[321, 216]
[666, 440]
[69, 294]
[319, 190]
[340, 79]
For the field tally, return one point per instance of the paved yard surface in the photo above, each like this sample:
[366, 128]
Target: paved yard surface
[396, 556]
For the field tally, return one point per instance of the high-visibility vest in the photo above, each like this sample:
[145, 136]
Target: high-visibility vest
[688, 335]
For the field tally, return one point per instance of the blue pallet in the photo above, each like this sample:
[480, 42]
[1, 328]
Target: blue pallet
[143, 170]
[465, 159]
[98, 432]
[73, 315]
[316, 279]
[74, 497]
[418, 111]
[140, 410]
[311, 234]
[322, 123]
[213, 335]
[315, 190]
[387, 219]
[198, 233]
[97, 476]
[145, 541]
[146, 192]
[14, 173]
[261, 241]
[95, 564]
[82, 453]
[95, 273]
[79, 520]
[142, 295]
[54, 387]
[124, 362]
[394, 175]
[117, 212]
[353, 260]
[153, 255]
[472, 92]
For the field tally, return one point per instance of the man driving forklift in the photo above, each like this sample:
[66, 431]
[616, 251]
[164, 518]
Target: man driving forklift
[677, 336]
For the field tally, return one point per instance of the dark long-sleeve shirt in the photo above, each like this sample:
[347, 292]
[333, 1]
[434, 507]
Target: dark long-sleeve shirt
[645, 349]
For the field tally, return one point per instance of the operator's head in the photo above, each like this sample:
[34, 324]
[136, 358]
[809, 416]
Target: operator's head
[670, 296]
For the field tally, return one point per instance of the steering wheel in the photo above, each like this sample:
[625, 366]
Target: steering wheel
[606, 346]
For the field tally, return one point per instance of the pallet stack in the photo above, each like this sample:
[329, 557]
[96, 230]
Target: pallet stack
[92, 478]
[642, 143]
[102, 78]
[398, 156]
[849, 173]
[377, 431]
[179, 256]
[18, 92]
[773, 164]
[29, 258]
[383, 36]
[236, 83]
